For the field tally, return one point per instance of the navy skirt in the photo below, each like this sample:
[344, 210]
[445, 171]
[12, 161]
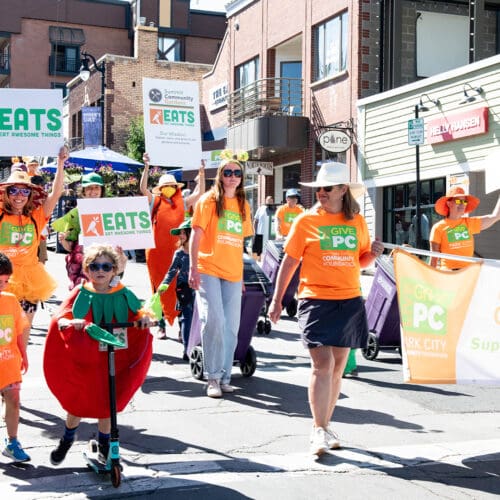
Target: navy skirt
[337, 323]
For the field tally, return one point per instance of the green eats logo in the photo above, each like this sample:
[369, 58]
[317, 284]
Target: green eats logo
[30, 120]
[424, 307]
[230, 222]
[459, 233]
[338, 238]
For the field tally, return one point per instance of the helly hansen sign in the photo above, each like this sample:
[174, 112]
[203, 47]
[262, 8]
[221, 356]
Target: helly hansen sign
[458, 125]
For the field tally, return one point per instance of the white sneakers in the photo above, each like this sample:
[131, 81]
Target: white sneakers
[323, 440]
[213, 389]
[227, 388]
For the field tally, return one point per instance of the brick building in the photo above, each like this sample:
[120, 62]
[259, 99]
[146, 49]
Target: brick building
[171, 42]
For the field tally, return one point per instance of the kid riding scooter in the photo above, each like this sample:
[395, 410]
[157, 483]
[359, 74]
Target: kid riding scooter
[112, 465]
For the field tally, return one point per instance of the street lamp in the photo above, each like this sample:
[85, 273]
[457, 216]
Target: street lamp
[470, 97]
[85, 75]
[420, 106]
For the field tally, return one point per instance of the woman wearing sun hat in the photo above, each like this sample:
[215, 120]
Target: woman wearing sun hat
[24, 212]
[332, 243]
[68, 227]
[455, 233]
[167, 207]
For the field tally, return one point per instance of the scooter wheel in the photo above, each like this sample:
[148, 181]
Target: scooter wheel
[116, 475]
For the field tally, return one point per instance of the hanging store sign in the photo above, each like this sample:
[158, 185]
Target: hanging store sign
[458, 125]
[259, 167]
[335, 141]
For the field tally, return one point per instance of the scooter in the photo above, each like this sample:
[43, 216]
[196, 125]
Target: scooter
[112, 466]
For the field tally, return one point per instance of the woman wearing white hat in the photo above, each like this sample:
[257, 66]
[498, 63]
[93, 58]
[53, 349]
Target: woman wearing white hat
[332, 242]
[25, 210]
[167, 207]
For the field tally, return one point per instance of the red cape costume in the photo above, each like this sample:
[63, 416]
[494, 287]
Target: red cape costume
[76, 370]
[165, 215]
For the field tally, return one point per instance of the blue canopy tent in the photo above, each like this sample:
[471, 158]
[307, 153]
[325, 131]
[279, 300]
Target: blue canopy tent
[93, 158]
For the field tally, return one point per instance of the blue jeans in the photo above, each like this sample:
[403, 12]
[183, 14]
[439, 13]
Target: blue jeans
[185, 319]
[219, 307]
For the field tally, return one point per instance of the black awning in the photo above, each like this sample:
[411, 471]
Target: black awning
[66, 36]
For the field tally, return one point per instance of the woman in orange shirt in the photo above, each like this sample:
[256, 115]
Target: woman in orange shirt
[332, 242]
[221, 221]
[455, 233]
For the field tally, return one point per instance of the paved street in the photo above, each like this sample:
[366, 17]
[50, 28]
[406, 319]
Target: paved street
[399, 440]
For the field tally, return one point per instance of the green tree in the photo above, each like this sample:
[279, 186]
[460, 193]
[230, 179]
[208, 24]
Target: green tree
[134, 145]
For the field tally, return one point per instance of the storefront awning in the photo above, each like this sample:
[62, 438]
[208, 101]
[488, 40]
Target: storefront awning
[66, 36]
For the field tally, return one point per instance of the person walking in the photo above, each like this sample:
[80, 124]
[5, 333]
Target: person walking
[221, 221]
[168, 208]
[455, 233]
[25, 209]
[264, 225]
[179, 268]
[13, 361]
[285, 214]
[332, 243]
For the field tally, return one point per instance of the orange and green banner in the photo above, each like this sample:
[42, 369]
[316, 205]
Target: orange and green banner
[450, 321]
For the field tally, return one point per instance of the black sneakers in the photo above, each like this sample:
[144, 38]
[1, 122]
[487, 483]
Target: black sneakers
[59, 454]
[102, 456]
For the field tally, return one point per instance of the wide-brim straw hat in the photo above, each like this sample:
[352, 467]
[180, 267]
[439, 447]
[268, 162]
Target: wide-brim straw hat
[334, 173]
[18, 177]
[166, 180]
[456, 192]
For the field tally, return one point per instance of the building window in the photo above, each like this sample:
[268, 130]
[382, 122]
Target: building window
[64, 59]
[331, 47]
[400, 209]
[169, 49]
[246, 73]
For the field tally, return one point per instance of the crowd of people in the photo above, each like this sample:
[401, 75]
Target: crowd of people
[196, 262]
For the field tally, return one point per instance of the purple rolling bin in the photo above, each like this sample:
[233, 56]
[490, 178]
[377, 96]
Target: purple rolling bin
[382, 310]
[271, 260]
[257, 289]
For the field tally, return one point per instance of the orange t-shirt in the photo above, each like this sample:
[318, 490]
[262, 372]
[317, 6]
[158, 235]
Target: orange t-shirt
[13, 321]
[286, 215]
[221, 246]
[330, 247]
[455, 237]
[19, 239]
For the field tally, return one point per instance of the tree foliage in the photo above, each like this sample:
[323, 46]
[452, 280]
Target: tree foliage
[134, 144]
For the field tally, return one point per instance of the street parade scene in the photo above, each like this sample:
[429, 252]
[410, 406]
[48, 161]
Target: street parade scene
[249, 249]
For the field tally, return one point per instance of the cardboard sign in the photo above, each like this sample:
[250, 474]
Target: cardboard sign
[172, 123]
[117, 221]
[31, 122]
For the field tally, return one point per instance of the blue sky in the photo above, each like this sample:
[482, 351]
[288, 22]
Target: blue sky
[215, 5]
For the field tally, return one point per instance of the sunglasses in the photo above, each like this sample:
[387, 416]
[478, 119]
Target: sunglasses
[229, 173]
[14, 191]
[326, 189]
[105, 266]
[460, 202]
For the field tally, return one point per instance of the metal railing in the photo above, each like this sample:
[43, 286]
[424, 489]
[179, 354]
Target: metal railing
[268, 96]
[62, 64]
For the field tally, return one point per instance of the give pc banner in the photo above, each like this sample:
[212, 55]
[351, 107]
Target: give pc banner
[31, 122]
[172, 123]
[450, 322]
[123, 222]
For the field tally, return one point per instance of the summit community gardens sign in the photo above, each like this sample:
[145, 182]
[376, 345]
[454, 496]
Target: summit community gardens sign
[30, 122]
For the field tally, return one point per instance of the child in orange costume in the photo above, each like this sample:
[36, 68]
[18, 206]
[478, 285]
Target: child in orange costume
[15, 330]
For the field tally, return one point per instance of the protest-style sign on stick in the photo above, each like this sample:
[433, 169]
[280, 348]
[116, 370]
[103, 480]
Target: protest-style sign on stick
[172, 129]
[31, 122]
[111, 220]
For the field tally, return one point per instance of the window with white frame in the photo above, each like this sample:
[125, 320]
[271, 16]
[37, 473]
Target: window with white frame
[247, 73]
[331, 47]
[169, 49]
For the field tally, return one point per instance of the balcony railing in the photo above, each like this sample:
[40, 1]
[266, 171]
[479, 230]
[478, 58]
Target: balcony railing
[268, 96]
[61, 64]
[4, 64]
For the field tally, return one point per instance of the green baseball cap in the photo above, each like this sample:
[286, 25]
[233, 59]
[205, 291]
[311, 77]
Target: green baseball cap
[184, 225]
